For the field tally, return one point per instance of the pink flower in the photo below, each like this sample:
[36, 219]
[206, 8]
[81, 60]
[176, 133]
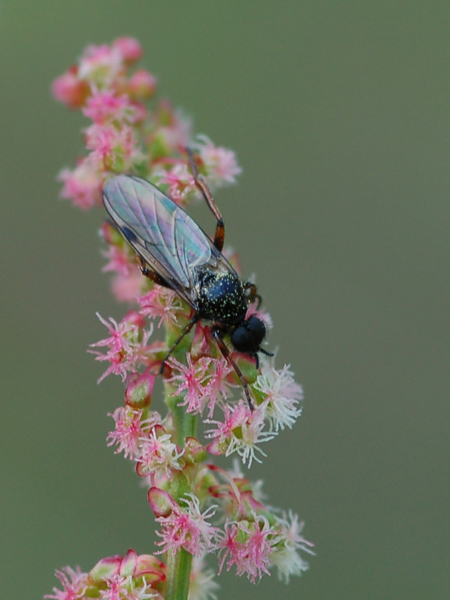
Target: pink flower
[173, 129]
[106, 107]
[286, 557]
[127, 346]
[188, 528]
[203, 343]
[218, 386]
[119, 260]
[128, 432]
[113, 149]
[82, 185]
[220, 163]
[74, 584]
[282, 395]
[248, 545]
[158, 454]
[241, 432]
[180, 182]
[101, 65]
[193, 379]
[121, 587]
[161, 303]
[127, 287]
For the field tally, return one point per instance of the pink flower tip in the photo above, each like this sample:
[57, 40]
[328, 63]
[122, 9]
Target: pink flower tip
[69, 90]
[194, 451]
[138, 393]
[106, 568]
[129, 48]
[161, 502]
[142, 84]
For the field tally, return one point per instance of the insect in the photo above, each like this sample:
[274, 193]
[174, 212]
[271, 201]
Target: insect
[173, 251]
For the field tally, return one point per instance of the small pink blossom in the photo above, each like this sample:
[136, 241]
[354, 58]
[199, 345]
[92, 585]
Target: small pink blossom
[220, 163]
[179, 180]
[127, 346]
[119, 260]
[74, 584]
[203, 343]
[158, 454]
[282, 395]
[241, 432]
[120, 587]
[218, 385]
[285, 556]
[173, 129]
[128, 432]
[248, 545]
[127, 287]
[105, 107]
[82, 185]
[188, 528]
[101, 65]
[113, 149]
[193, 378]
[161, 303]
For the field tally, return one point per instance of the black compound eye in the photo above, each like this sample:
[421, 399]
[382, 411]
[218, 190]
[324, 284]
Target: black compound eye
[258, 329]
[243, 340]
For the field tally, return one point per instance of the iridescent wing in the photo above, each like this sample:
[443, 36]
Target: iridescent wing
[162, 233]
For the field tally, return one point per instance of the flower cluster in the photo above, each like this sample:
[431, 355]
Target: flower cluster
[199, 507]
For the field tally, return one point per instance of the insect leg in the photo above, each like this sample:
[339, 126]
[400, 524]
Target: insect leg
[149, 273]
[185, 331]
[219, 236]
[248, 285]
[265, 352]
[226, 354]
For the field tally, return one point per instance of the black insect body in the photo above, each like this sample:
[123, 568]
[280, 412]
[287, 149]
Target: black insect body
[175, 252]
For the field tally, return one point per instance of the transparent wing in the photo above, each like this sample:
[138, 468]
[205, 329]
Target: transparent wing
[161, 232]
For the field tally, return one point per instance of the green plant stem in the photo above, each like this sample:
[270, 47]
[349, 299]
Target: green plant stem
[185, 425]
[178, 575]
[179, 563]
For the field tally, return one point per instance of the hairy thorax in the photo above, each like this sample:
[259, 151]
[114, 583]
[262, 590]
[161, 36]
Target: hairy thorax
[221, 297]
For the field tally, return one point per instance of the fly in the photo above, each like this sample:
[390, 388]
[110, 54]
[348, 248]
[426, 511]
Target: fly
[173, 251]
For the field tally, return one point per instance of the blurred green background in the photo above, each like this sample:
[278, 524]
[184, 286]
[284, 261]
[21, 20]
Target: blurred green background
[339, 114]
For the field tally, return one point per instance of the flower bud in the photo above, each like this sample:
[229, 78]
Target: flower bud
[142, 84]
[161, 502]
[150, 566]
[69, 90]
[194, 451]
[106, 568]
[129, 48]
[138, 393]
